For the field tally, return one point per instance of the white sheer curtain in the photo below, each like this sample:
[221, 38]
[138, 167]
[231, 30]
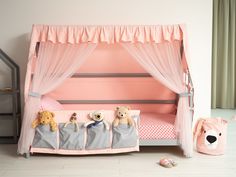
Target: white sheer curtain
[163, 62]
[54, 64]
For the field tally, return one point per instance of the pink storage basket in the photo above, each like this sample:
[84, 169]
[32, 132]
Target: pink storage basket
[211, 135]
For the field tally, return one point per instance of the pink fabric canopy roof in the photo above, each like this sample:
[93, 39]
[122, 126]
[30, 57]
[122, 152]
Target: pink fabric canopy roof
[108, 34]
[74, 34]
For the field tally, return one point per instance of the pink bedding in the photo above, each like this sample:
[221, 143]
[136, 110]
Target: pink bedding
[154, 126]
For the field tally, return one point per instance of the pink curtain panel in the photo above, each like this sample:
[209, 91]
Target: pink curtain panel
[55, 63]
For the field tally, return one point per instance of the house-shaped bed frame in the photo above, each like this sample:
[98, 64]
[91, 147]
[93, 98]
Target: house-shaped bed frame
[56, 53]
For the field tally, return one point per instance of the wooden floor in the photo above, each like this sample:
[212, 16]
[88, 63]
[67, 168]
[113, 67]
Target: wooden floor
[141, 164]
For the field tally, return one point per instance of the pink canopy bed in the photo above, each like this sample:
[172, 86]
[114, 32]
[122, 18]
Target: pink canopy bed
[89, 68]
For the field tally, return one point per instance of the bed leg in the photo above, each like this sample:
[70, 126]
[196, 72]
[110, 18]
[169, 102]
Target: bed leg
[27, 155]
[17, 153]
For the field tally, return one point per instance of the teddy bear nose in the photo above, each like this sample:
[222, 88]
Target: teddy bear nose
[122, 115]
[211, 139]
[98, 116]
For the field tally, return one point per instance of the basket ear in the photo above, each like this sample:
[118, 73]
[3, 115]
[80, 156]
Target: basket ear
[198, 127]
[221, 120]
[224, 121]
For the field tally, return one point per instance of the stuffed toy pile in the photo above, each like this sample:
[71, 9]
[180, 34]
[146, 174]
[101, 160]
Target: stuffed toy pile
[45, 118]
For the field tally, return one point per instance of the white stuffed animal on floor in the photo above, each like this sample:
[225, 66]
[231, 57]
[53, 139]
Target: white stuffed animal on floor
[97, 118]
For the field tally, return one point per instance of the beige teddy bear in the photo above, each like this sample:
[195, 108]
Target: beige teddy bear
[122, 116]
[45, 118]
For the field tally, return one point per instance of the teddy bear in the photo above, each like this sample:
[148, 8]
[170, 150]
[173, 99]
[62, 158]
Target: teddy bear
[45, 118]
[122, 116]
[73, 120]
[96, 117]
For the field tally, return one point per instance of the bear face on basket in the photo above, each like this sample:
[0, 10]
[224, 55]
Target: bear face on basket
[123, 116]
[211, 135]
[45, 118]
[97, 118]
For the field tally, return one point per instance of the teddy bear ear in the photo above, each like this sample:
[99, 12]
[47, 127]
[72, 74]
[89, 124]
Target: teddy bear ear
[128, 107]
[117, 108]
[39, 113]
[91, 115]
[103, 113]
[52, 113]
[198, 127]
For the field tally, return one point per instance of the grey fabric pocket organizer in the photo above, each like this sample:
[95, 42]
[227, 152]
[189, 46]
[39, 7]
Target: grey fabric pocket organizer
[124, 136]
[70, 138]
[98, 137]
[44, 137]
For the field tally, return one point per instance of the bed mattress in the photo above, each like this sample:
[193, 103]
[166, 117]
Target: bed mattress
[154, 126]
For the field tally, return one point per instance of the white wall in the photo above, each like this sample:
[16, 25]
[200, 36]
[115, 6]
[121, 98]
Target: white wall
[17, 17]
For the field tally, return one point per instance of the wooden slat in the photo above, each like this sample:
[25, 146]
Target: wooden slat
[8, 116]
[117, 101]
[7, 140]
[95, 75]
[8, 92]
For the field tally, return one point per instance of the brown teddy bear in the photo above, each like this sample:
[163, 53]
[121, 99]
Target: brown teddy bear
[45, 118]
[122, 116]
[73, 120]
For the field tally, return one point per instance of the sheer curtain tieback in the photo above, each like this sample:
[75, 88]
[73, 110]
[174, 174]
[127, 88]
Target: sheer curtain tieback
[35, 94]
[184, 94]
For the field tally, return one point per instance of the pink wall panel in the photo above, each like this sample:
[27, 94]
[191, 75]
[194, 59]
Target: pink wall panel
[112, 88]
[111, 58]
[114, 59]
